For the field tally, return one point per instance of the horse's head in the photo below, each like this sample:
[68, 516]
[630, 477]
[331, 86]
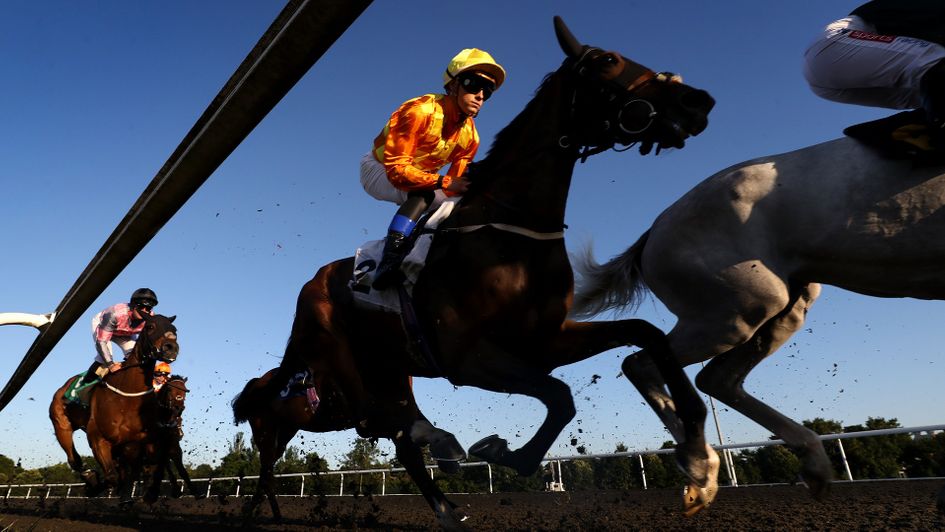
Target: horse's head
[171, 401]
[159, 338]
[620, 101]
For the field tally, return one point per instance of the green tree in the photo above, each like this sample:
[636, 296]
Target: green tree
[875, 456]
[364, 454]
[60, 473]
[777, 464]
[577, 475]
[617, 472]
[241, 460]
[746, 467]
[8, 469]
[924, 456]
[200, 471]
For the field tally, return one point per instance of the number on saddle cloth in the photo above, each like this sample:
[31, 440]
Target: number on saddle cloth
[301, 384]
[368, 256]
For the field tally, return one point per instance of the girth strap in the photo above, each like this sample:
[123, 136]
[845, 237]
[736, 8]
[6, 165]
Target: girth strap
[535, 235]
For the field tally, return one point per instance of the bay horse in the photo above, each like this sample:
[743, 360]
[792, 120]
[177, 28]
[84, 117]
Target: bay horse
[493, 299]
[164, 450]
[122, 414]
[275, 422]
[740, 259]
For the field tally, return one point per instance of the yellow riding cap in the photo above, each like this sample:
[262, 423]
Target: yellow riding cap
[162, 367]
[474, 59]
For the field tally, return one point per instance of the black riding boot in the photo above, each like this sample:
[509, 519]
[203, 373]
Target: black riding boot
[388, 271]
[90, 374]
[397, 243]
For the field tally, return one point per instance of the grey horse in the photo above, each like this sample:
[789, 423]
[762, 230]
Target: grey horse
[740, 259]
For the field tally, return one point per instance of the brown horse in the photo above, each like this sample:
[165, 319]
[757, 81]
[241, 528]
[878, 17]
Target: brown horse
[165, 450]
[493, 300]
[122, 413]
[275, 422]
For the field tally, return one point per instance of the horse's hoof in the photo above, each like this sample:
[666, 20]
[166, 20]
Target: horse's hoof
[700, 465]
[491, 449]
[696, 499]
[449, 466]
[816, 471]
[450, 518]
[447, 450]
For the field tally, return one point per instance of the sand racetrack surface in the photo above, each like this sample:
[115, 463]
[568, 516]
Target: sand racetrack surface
[898, 505]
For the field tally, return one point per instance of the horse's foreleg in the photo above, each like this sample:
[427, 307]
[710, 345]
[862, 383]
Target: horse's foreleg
[64, 433]
[177, 456]
[724, 377]
[681, 410]
[448, 516]
[102, 452]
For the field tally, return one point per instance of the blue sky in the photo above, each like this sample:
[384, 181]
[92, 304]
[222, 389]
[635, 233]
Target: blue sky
[98, 94]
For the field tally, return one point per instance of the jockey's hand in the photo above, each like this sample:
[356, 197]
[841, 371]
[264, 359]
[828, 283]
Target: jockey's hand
[458, 185]
[114, 366]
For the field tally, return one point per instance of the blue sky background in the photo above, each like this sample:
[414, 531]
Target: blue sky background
[98, 94]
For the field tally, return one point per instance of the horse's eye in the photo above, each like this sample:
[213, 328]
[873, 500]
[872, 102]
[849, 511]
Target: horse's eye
[612, 59]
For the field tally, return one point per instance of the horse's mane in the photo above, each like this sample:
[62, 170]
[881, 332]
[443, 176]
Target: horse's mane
[482, 171]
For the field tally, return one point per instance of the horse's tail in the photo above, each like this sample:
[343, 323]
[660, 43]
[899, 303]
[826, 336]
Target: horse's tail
[247, 401]
[615, 285]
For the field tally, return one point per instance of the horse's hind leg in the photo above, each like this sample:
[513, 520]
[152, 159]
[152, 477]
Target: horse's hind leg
[724, 377]
[64, 433]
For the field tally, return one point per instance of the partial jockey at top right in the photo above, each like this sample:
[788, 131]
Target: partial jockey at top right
[887, 53]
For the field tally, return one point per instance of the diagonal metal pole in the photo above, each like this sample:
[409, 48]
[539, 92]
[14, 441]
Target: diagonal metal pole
[302, 32]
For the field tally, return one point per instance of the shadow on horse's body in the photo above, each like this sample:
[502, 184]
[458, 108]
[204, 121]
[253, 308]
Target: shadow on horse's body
[739, 258]
[122, 413]
[493, 299]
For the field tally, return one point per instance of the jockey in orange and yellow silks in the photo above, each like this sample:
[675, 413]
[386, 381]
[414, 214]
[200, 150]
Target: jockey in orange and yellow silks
[424, 135]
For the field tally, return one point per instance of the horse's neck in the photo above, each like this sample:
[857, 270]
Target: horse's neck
[526, 177]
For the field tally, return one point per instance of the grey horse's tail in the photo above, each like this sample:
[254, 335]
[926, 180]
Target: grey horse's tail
[615, 285]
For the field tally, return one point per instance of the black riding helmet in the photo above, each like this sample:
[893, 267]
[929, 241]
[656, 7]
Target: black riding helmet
[144, 296]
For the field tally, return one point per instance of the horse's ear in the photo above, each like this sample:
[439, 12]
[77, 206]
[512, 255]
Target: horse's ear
[569, 44]
[172, 318]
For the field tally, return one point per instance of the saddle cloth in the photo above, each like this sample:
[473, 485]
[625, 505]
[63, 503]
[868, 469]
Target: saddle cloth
[76, 393]
[905, 135]
[368, 256]
[301, 384]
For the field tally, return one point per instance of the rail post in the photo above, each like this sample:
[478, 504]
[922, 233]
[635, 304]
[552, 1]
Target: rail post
[489, 468]
[302, 489]
[642, 470]
[209, 484]
[843, 456]
[341, 488]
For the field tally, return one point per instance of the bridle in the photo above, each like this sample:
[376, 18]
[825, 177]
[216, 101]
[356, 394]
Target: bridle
[622, 106]
[147, 351]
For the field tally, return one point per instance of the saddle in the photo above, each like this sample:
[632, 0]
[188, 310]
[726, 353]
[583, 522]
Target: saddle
[905, 135]
[78, 393]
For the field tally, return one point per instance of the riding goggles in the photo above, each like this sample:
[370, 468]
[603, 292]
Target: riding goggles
[473, 83]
